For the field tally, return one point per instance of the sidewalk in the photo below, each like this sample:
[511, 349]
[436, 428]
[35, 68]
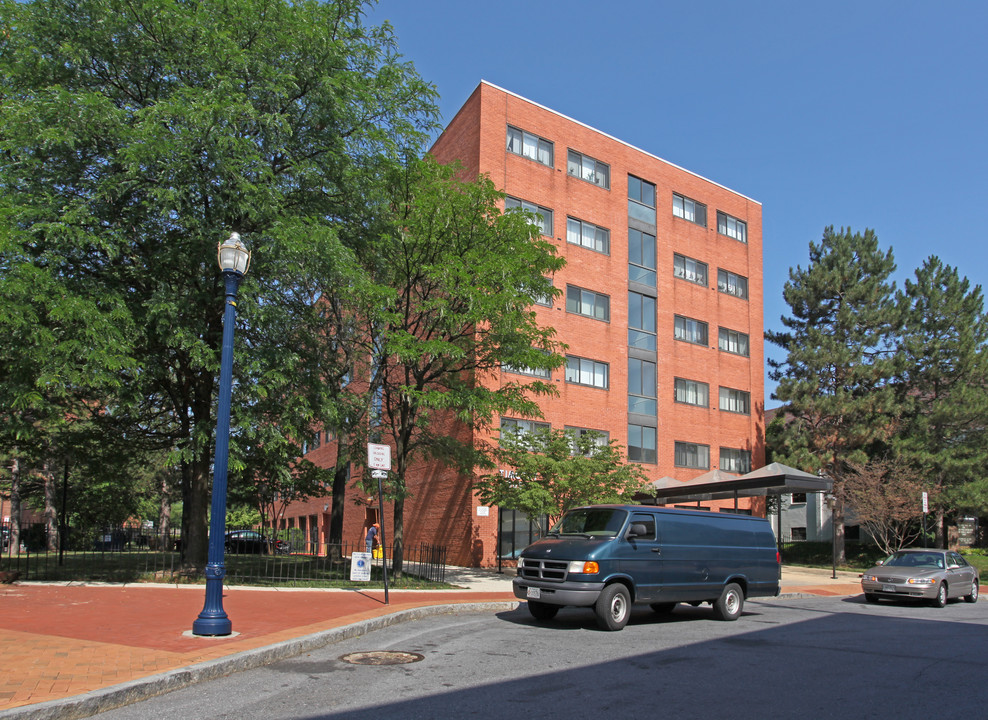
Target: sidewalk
[71, 650]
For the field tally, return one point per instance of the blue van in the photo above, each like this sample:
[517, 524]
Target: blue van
[610, 556]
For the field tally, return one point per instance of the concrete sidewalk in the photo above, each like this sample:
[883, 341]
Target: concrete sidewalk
[71, 650]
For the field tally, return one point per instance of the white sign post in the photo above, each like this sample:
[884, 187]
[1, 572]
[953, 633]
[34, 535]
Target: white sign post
[360, 567]
[378, 456]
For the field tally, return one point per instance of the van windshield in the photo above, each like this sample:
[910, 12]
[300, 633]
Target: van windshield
[595, 522]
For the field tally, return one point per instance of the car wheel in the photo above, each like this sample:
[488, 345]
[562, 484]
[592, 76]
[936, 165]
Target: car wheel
[871, 597]
[941, 599]
[663, 608]
[542, 611]
[973, 597]
[728, 605]
[613, 607]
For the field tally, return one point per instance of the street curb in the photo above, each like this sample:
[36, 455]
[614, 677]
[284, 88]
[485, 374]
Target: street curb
[97, 701]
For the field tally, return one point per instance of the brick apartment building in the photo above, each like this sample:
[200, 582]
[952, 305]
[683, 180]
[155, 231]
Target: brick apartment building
[661, 308]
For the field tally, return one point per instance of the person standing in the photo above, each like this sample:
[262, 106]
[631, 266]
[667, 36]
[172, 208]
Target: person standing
[372, 537]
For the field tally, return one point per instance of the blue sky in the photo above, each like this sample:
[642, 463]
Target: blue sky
[867, 114]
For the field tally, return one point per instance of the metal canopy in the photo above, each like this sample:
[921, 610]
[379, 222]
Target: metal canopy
[772, 479]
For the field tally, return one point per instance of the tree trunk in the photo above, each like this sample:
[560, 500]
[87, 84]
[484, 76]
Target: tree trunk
[15, 507]
[840, 554]
[164, 515]
[51, 508]
[398, 541]
[340, 479]
[195, 501]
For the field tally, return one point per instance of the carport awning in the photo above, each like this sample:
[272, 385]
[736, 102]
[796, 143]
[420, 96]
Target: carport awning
[772, 479]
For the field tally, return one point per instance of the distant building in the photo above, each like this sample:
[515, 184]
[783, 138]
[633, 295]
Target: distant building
[661, 308]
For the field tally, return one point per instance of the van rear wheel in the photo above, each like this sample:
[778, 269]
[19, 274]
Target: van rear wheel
[613, 607]
[728, 606]
[542, 611]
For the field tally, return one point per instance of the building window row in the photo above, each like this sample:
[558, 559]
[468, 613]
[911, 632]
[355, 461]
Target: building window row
[542, 373]
[690, 330]
[531, 146]
[732, 284]
[686, 268]
[697, 457]
[589, 169]
[689, 209]
[583, 371]
[732, 341]
[523, 428]
[732, 227]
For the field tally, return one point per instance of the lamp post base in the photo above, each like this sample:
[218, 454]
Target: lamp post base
[219, 625]
[213, 619]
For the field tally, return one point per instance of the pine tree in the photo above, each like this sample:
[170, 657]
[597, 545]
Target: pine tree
[835, 378]
[942, 383]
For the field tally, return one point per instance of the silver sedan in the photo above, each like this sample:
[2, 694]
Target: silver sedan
[922, 574]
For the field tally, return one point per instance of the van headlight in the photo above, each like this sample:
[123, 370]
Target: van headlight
[581, 567]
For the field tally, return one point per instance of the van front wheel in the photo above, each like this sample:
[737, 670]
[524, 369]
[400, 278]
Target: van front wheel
[613, 607]
[728, 605]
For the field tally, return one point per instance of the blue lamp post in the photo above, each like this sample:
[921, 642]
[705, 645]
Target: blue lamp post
[234, 259]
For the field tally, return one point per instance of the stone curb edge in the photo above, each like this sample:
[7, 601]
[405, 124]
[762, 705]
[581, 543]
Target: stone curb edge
[97, 701]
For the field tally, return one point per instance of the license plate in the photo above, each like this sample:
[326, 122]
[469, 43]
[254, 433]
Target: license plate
[534, 593]
[888, 588]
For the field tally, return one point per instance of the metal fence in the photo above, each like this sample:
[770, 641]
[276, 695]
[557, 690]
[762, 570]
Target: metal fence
[134, 554]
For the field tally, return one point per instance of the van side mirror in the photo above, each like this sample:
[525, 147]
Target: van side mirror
[637, 529]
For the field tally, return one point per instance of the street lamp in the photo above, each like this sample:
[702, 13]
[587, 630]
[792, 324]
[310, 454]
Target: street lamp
[234, 259]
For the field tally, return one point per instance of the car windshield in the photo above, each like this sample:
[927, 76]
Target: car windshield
[917, 560]
[597, 522]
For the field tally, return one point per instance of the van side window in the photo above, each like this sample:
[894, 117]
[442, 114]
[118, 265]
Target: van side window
[648, 521]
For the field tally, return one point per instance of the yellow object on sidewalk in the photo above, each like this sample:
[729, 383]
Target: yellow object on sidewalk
[378, 553]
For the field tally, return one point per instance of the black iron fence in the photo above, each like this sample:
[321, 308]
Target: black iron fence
[135, 554]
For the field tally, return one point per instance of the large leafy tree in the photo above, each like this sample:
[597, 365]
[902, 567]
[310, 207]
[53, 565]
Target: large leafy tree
[463, 278]
[136, 134]
[549, 472]
[838, 342]
[942, 383]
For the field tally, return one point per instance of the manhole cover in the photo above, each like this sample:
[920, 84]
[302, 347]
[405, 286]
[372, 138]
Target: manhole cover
[381, 657]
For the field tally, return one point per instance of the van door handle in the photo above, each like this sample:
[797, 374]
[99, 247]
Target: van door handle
[658, 551]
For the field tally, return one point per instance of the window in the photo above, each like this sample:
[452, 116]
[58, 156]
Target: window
[530, 146]
[642, 396]
[587, 235]
[516, 531]
[641, 321]
[641, 200]
[695, 212]
[797, 534]
[599, 439]
[733, 341]
[522, 428]
[641, 444]
[544, 215]
[691, 392]
[587, 302]
[544, 299]
[647, 523]
[735, 461]
[641, 257]
[312, 443]
[690, 330]
[588, 169]
[728, 282]
[732, 227]
[586, 372]
[691, 455]
[736, 401]
[543, 373]
[798, 498]
[689, 269]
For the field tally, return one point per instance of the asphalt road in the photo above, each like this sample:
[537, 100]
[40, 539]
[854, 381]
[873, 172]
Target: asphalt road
[806, 658]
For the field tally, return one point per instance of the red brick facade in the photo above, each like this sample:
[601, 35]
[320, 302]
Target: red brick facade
[443, 508]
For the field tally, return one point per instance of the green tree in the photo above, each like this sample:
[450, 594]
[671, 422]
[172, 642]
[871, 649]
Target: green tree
[134, 135]
[551, 471]
[834, 380]
[942, 383]
[463, 278]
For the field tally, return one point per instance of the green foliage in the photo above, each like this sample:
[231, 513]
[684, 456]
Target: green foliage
[942, 383]
[135, 136]
[835, 379]
[551, 471]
